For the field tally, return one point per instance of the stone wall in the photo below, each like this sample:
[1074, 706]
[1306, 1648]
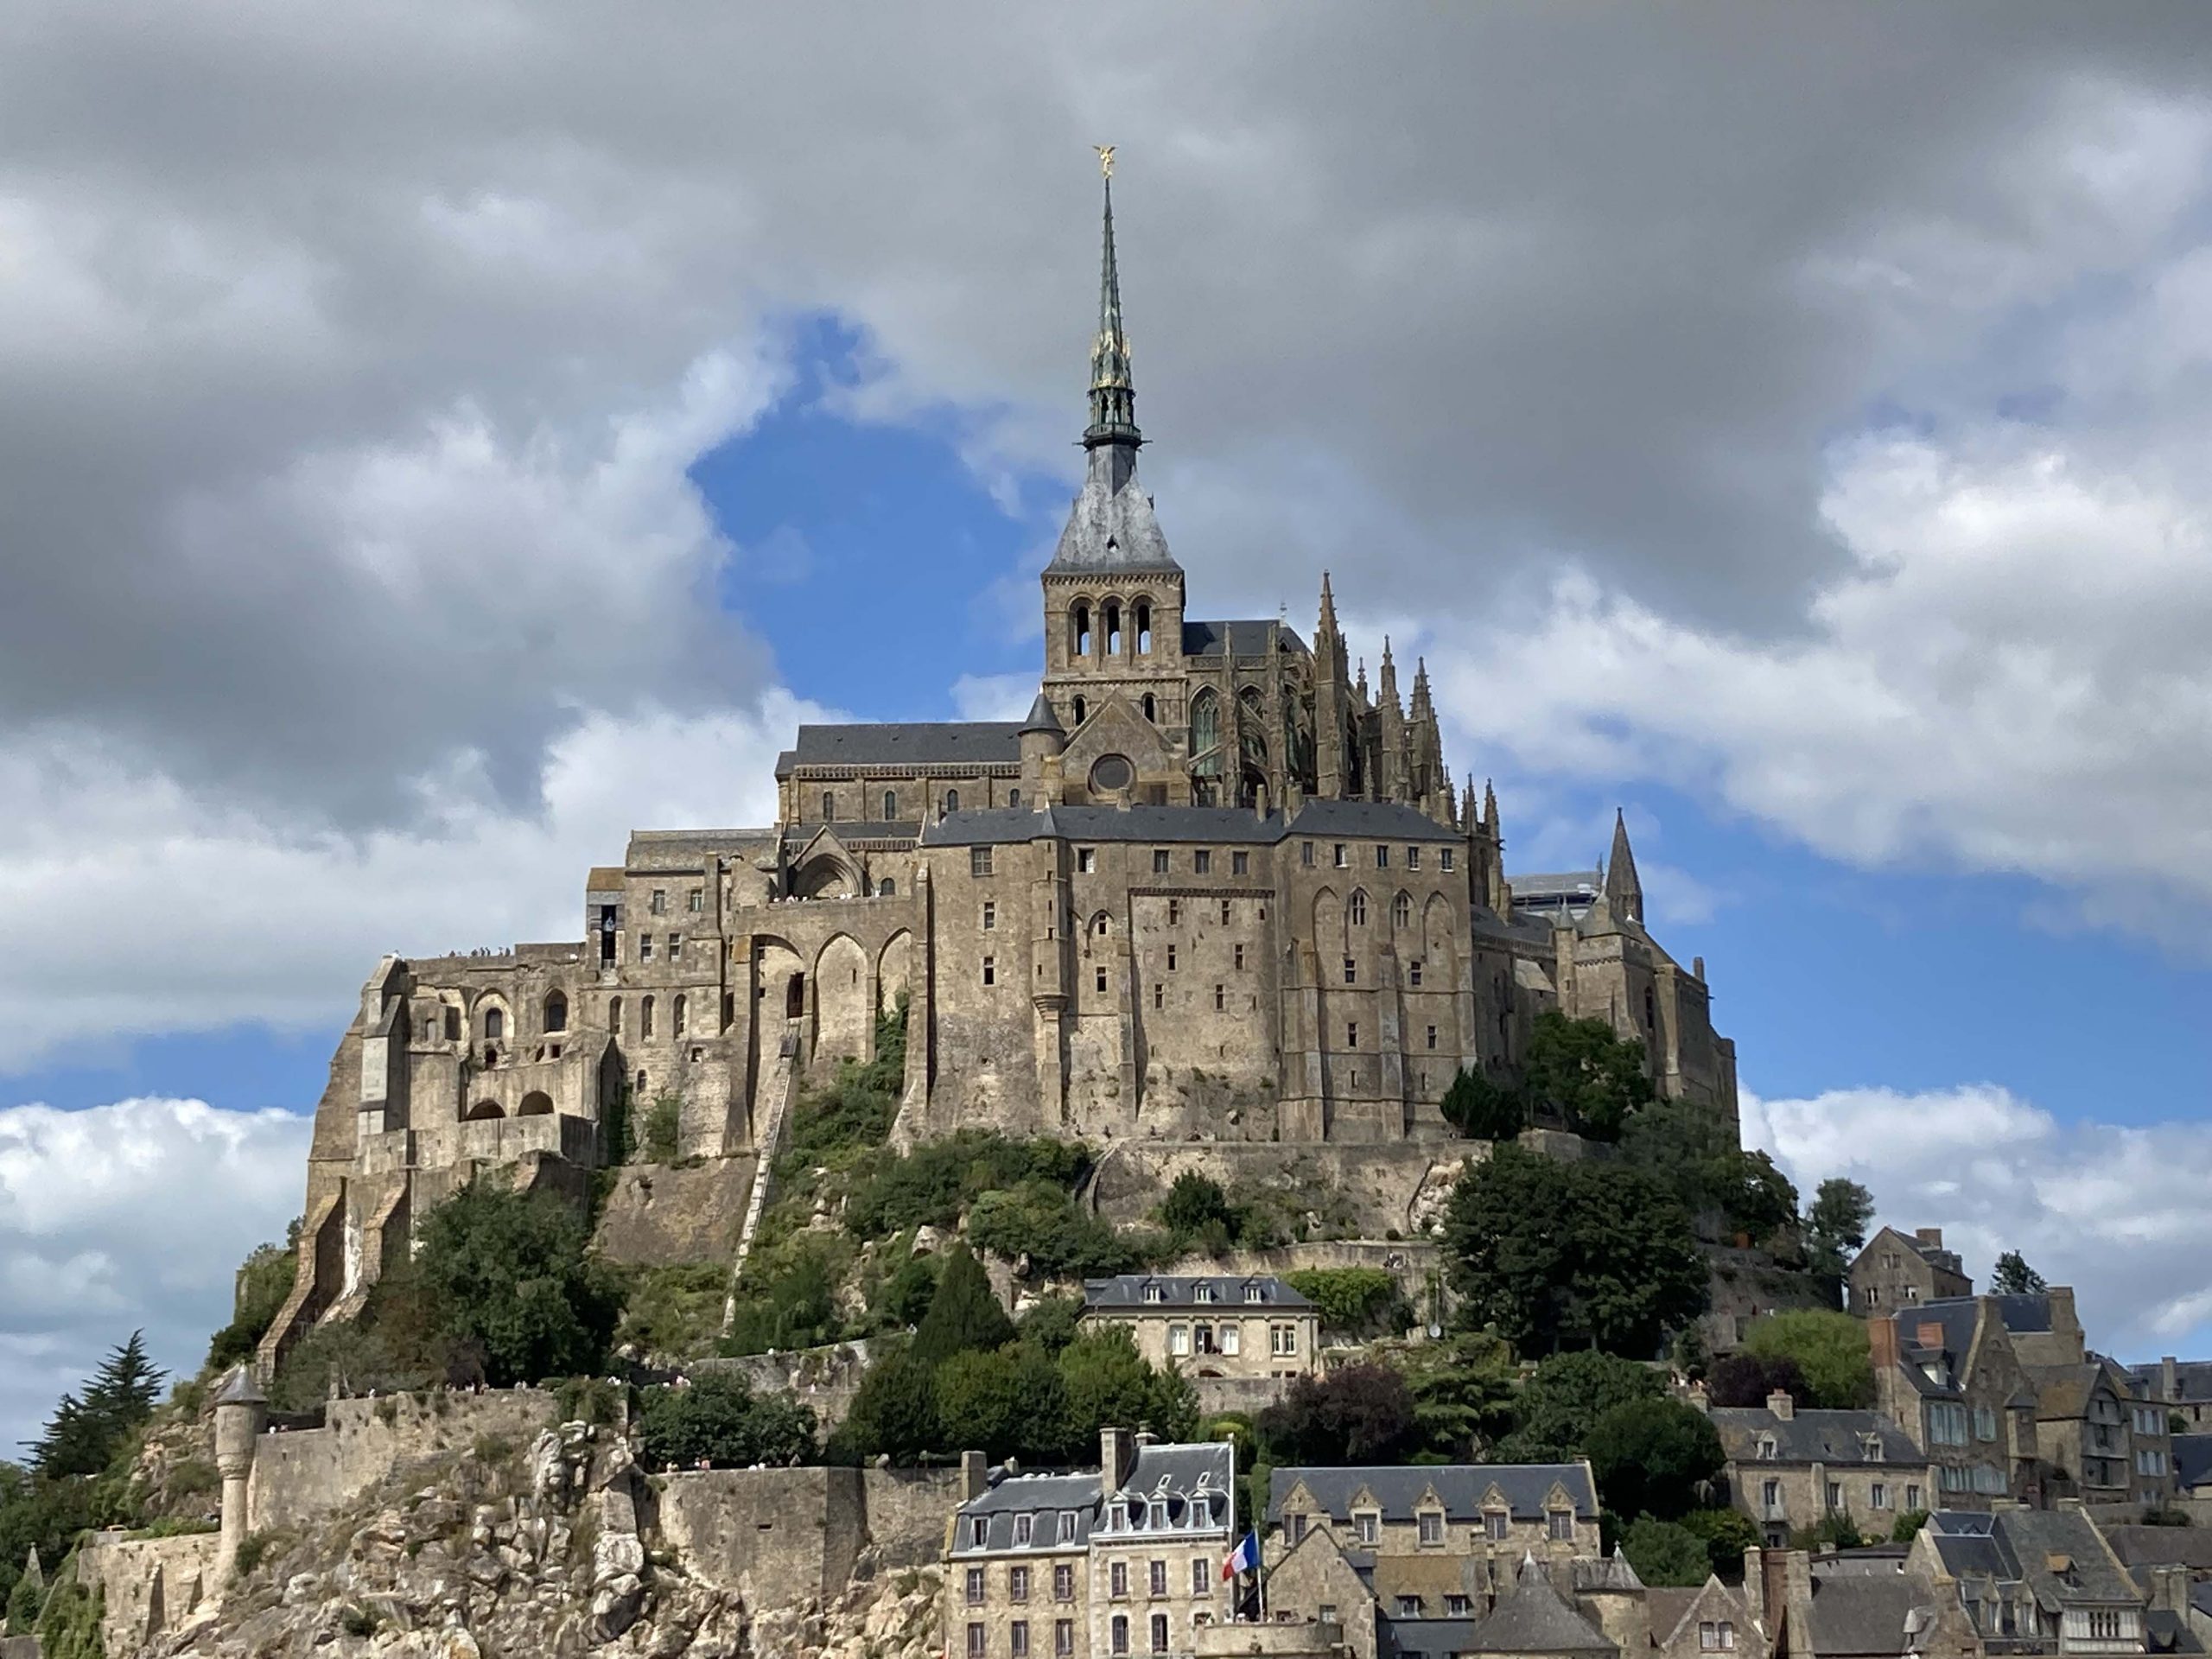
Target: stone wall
[822, 1379]
[781, 1534]
[149, 1583]
[658, 1214]
[1371, 1188]
[300, 1474]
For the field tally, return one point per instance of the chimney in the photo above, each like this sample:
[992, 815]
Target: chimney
[973, 1478]
[2169, 1379]
[1117, 1460]
[1882, 1343]
[1781, 1404]
[1928, 1334]
[1797, 1602]
[1931, 1237]
[2170, 1590]
[2064, 1322]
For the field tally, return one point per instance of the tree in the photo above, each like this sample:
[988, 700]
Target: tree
[2012, 1276]
[1728, 1534]
[1357, 1301]
[664, 1128]
[1009, 1402]
[1563, 1398]
[1560, 1254]
[1195, 1203]
[1109, 1385]
[84, 1434]
[1482, 1109]
[964, 1315]
[1835, 1226]
[509, 1274]
[265, 1280]
[1829, 1348]
[1356, 1414]
[893, 1412]
[1040, 1224]
[1591, 1079]
[904, 1295]
[719, 1418]
[1666, 1553]
[1051, 1323]
[1907, 1526]
[1747, 1379]
[1654, 1457]
[1463, 1389]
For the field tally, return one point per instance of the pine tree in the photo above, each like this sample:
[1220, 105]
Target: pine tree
[964, 1315]
[2014, 1277]
[127, 1385]
[84, 1436]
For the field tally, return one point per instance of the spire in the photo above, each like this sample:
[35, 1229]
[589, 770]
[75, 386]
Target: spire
[1624, 892]
[1328, 609]
[1489, 804]
[1113, 397]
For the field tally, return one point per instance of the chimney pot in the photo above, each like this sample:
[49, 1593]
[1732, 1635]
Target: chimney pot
[1781, 1404]
[1929, 1335]
[1932, 1236]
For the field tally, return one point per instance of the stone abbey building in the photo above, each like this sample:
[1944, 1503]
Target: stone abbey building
[1216, 886]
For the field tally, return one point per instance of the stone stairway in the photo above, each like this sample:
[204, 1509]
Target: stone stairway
[775, 1107]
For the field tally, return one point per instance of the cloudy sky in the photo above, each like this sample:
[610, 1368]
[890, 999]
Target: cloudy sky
[439, 437]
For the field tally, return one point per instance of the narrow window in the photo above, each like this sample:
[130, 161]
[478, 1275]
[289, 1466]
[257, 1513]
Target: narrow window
[614, 1014]
[1306, 854]
[829, 804]
[1118, 1639]
[1080, 639]
[1413, 858]
[1431, 1036]
[1079, 711]
[1063, 1634]
[1151, 710]
[990, 970]
[1143, 616]
[952, 800]
[696, 900]
[1241, 863]
[1402, 915]
[1352, 1034]
[990, 914]
[1159, 995]
[1086, 859]
[1351, 971]
[1382, 858]
[1159, 861]
[645, 947]
[1340, 860]
[1014, 797]
[1159, 1623]
[1171, 958]
[1102, 982]
[1359, 908]
[495, 1024]
[679, 1018]
[645, 1017]
[676, 947]
[1202, 862]
[1113, 627]
[1240, 955]
[1225, 913]
[659, 906]
[1444, 858]
[1174, 912]
[1220, 998]
[890, 804]
[1017, 1633]
[886, 888]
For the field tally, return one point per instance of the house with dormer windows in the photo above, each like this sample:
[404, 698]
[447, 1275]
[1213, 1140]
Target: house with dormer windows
[1210, 1326]
[1789, 1469]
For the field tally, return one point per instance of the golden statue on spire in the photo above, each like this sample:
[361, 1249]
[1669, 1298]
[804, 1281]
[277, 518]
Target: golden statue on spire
[1105, 158]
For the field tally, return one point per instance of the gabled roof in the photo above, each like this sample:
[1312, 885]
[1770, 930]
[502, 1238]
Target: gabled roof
[906, 743]
[1832, 1437]
[1002, 826]
[1398, 1488]
[1132, 1290]
[1858, 1617]
[1242, 639]
[1044, 1499]
[2192, 1378]
[2058, 1553]
[1533, 1618]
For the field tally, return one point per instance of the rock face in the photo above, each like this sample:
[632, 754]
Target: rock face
[534, 1554]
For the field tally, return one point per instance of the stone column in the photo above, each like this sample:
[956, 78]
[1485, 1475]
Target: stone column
[240, 1411]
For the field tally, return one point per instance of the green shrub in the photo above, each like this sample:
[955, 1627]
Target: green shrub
[1728, 1534]
[674, 1311]
[1355, 1301]
[933, 1184]
[1482, 1109]
[509, 1276]
[904, 1295]
[664, 1128]
[69, 1623]
[719, 1418]
[1051, 1323]
[1665, 1552]
[1061, 1239]
[258, 1546]
[359, 1621]
[788, 1297]
[264, 1283]
[591, 1400]
[1829, 1348]
[1907, 1526]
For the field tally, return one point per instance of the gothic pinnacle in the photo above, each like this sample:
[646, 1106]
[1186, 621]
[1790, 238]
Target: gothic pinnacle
[1112, 393]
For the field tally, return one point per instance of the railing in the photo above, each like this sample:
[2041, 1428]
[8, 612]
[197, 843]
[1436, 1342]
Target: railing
[776, 1093]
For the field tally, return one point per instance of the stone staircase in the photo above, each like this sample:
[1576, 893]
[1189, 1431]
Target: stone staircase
[775, 1091]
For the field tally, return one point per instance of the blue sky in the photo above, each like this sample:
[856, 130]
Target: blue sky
[397, 513]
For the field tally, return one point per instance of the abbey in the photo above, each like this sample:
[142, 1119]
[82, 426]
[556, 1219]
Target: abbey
[1214, 887]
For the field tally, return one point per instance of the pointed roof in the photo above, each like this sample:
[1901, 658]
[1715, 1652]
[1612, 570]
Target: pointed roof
[1112, 393]
[1328, 608]
[1622, 889]
[1041, 717]
[1606, 1573]
[1533, 1618]
[239, 1389]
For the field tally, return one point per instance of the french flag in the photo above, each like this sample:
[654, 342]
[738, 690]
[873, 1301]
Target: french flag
[1245, 1558]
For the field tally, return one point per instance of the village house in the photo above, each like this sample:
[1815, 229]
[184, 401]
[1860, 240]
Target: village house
[1790, 1469]
[1948, 1374]
[1210, 1326]
[1896, 1270]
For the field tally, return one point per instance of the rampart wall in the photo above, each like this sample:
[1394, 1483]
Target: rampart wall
[788, 1533]
[300, 1474]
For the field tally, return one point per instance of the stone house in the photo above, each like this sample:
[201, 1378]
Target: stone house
[2098, 1438]
[1216, 887]
[2033, 1581]
[1790, 1469]
[1897, 1270]
[2183, 1386]
[1215, 1325]
[1946, 1373]
[1441, 1539]
[1125, 1560]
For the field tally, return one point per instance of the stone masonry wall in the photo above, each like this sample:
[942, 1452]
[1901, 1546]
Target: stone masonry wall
[779, 1533]
[658, 1213]
[300, 1474]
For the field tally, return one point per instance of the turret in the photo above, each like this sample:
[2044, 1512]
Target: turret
[1390, 779]
[241, 1409]
[1331, 765]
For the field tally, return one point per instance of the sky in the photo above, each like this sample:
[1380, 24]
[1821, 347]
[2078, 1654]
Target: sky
[440, 440]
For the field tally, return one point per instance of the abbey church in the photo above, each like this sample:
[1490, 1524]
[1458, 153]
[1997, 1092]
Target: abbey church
[1214, 887]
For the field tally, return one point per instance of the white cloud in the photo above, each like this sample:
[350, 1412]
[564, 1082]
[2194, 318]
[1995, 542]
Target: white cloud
[125, 1217]
[994, 697]
[2117, 1212]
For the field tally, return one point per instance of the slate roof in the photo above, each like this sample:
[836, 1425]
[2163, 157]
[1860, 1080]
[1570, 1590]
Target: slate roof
[2192, 1379]
[1226, 1291]
[2192, 1460]
[1041, 717]
[1418, 1638]
[1177, 1472]
[1379, 820]
[1533, 1618]
[2162, 1546]
[1832, 1437]
[1862, 1616]
[906, 743]
[2166, 1632]
[1586, 884]
[1243, 638]
[1001, 825]
[1398, 1488]
[1110, 529]
[1181, 1473]
[2026, 1545]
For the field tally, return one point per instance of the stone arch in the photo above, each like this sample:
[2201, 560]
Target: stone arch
[679, 1016]
[1110, 630]
[1402, 913]
[827, 874]
[1355, 913]
[1440, 950]
[484, 1111]
[1079, 629]
[1140, 624]
[1328, 924]
[536, 1103]
[951, 800]
[778, 979]
[895, 969]
[886, 888]
[844, 1003]
[491, 1018]
[1081, 710]
[555, 1011]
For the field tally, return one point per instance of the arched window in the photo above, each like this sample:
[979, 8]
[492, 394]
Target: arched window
[890, 804]
[829, 806]
[641, 1083]
[1143, 613]
[556, 1012]
[1112, 628]
[1401, 911]
[536, 1103]
[1079, 630]
[1205, 732]
[677, 1025]
[452, 1024]
[614, 1014]
[1359, 908]
[1102, 924]
[483, 1111]
[1151, 710]
[1014, 797]
[645, 1017]
[495, 1024]
[1651, 1009]
[886, 888]
[1079, 711]
[952, 800]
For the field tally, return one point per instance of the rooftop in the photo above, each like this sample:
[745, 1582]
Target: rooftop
[1465, 1488]
[1169, 1290]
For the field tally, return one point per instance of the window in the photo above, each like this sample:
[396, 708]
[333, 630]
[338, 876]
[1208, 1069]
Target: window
[1716, 1636]
[1232, 1340]
[1118, 1633]
[1431, 1528]
[676, 947]
[1064, 1574]
[1359, 908]
[1156, 1579]
[1202, 862]
[1240, 957]
[1835, 1495]
[1101, 978]
[1402, 911]
[1351, 971]
[1159, 1632]
[829, 804]
[1117, 1579]
[1560, 1523]
[495, 1024]
[1174, 912]
[645, 947]
[1159, 997]
[1947, 1423]
[614, 1014]
[1063, 1638]
[1159, 861]
[1282, 1340]
[1253, 1294]
[1367, 1527]
[658, 905]
[1014, 797]
[695, 900]
[2149, 1461]
[1241, 863]
[1017, 1637]
[1879, 1495]
[1080, 711]
[975, 1573]
[1413, 858]
[952, 800]
[678, 1024]
[975, 1649]
[1494, 1523]
[1408, 1607]
[1306, 854]
[1017, 1578]
[1171, 958]
[1444, 858]
[979, 860]
[1351, 1033]
[1912, 1497]
[1770, 1496]
[1767, 1448]
[1293, 1526]
[1201, 1576]
[1022, 1525]
[1413, 973]
[645, 1017]
[2104, 1623]
[1178, 1340]
[1086, 859]
[1985, 1423]
[990, 914]
[1151, 709]
[1155, 1293]
[1338, 855]
[1431, 1036]
[990, 970]
[1457, 1607]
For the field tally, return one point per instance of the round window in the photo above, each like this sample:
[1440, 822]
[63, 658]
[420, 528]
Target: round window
[1112, 772]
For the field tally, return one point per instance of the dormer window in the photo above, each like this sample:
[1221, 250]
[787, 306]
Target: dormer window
[1022, 1524]
[1254, 1294]
[1202, 1292]
[1158, 1517]
[979, 1527]
[1767, 1448]
[1871, 1444]
[1155, 1293]
[1117, 1517]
